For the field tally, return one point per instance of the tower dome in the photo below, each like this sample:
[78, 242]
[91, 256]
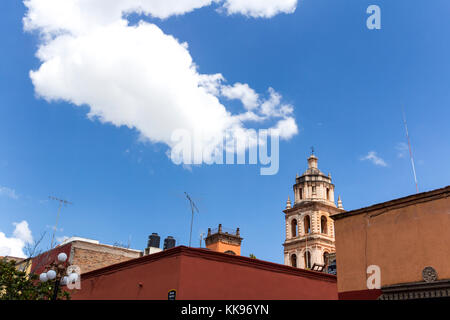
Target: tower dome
[314, 185]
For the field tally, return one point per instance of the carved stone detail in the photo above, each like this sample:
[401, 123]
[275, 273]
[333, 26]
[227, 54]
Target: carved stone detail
[429, 274]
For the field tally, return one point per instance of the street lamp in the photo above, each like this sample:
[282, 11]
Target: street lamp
[43, 277]
[62, 257]
[57, 271]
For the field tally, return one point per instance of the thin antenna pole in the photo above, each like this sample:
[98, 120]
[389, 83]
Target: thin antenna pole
[61, 202]
[193, 206]
[192, 222]
[410, 150]
[56, 224]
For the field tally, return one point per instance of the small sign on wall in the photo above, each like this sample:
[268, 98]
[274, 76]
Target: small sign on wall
[172, 294]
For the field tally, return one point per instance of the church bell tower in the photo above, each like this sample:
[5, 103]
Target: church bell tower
[309, 228]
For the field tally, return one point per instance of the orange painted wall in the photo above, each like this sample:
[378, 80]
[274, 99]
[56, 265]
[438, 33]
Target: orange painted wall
[402, 241]
[222, 247]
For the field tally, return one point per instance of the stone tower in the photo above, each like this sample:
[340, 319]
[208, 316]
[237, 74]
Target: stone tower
[227, 241]
[309, 228]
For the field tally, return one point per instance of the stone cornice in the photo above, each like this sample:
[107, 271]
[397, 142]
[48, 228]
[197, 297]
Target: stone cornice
[311, 239]
[223, 237]
[416, 290]
[313, 206]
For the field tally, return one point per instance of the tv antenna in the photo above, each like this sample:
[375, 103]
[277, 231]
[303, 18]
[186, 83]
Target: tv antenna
[193, 207]
[410, 150]
[61, 203]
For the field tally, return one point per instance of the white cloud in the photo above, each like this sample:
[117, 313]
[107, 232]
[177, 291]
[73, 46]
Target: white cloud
[23, 232]
[262, 109]
[137, 76]
[14, 246]
[243, 92]
[286, 128]
[376, 160]
[8, 192]
[272, 107]
[54, 16]
[260, 8]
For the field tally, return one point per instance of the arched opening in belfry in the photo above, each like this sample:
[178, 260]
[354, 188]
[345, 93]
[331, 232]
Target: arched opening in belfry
[323, 225]
[301, 193]
[307, 257]
[294, 228]
[307, 224]
[328, 194]
[294, 260]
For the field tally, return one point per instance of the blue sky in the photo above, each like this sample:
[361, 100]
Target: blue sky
[346, 85]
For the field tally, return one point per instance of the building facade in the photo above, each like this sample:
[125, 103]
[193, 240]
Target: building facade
[200, 274]
[395, 250]
[309, 228]
[86, 253]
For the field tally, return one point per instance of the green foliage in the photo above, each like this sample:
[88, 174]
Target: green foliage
[17, 285]
[252, 256]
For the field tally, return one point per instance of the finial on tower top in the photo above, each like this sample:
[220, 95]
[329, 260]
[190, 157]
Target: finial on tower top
[340, 206]
[312, 150]
[312, 161]
[288, 203]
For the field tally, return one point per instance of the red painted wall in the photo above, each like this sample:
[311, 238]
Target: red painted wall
[201, 274]
[361, 295]
[216, 280]
[41, 262]
[150, 281]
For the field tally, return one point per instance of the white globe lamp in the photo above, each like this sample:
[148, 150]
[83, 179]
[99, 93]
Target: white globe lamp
[62, 257]
[43, 277]
[51, 274]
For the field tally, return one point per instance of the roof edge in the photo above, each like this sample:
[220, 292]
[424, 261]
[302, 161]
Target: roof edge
[212, 255]
[400, 202]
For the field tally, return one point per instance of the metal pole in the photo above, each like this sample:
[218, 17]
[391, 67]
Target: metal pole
[61, 203]
[56, 226]
[192, 221]
[410, 150]
[55, 291]
[193, 206]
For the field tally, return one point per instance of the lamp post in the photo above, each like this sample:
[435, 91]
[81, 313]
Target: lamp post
[57, 272]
